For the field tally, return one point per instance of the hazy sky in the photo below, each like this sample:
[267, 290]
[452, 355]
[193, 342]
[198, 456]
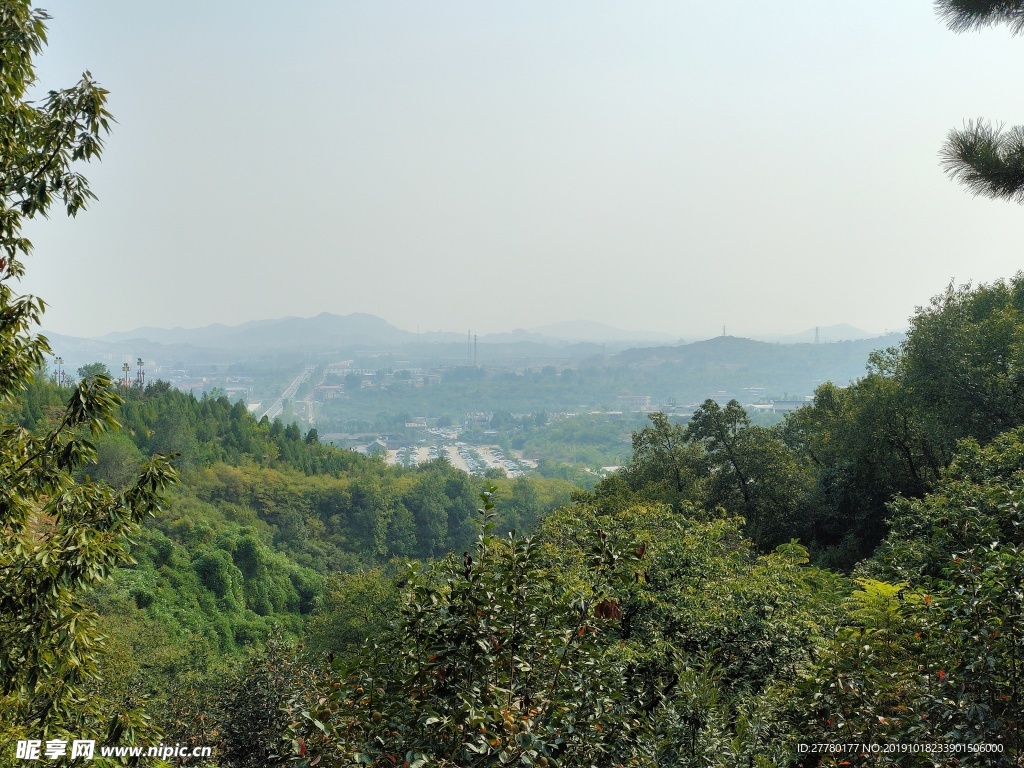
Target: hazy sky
[666, 166]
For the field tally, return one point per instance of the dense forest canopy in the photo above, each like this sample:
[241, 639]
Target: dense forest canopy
[851, 574]
[173, 570]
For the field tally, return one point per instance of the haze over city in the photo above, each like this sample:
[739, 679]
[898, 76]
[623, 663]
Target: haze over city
[661, 166]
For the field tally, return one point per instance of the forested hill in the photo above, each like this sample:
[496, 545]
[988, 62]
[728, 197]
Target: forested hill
[732, 362]
[260, 521]
[736, 351]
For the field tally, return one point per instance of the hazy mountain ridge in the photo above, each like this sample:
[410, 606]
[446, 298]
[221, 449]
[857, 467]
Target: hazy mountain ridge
[328, 329]
[726, 362]
[270, 332]
[588, 330]
[735, 350]
[825, 334]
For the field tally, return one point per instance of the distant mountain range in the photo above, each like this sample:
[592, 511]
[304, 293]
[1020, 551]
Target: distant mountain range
[374, 341]
[824, 334]
[326, 330]
[322, 331]
[598, 333]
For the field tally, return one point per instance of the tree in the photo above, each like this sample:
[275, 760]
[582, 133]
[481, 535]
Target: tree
[353, 608]
[665, 467]
[985, 158]
[865, 444]
[962, 358]
[259, 700]
[58, 536]
[117, 460]
[524, 507]
[429, 506]
[752, 472]
[720, 430]
[93, 369]
[934, 653]
[495, 659]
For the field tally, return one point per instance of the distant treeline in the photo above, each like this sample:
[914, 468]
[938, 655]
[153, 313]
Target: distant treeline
[685, 374]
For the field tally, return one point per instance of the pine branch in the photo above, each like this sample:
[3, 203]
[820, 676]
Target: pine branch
[986, 159]
[965, 15]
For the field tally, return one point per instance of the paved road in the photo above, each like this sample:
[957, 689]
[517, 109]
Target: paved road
[275, 410]
[310, 417]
